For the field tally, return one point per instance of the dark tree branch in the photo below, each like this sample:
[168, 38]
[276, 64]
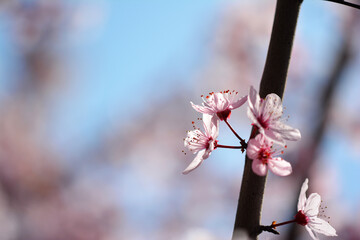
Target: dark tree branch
[269, 229]
[273, 81]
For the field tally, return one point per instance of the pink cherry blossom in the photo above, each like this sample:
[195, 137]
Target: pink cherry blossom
[261, 152]
[308, 210]
[220, 104]
[202, 143]
[266, 115]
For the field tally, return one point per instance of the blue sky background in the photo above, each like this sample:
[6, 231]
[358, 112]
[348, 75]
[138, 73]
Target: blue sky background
[140, 42]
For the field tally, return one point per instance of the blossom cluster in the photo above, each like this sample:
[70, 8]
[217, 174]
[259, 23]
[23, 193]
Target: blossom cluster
[216, 107]
[266, 117]
[269, 131]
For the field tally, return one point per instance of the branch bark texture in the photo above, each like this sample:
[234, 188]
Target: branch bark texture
[248, 213]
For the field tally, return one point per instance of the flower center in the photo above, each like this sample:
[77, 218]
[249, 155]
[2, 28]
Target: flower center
[210, 141]
[223, 115]
[263, 122]
[264, 155]
[301, 218]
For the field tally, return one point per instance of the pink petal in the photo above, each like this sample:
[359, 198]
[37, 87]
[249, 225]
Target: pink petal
[286, 132]
[209, 150]
[259, 168]
[202, 109]
[211, 124]
[274, 137]
[252, 150]
[321, 226]
[195, 146]
[273, 106]
[264, 141]
[239, 102]
[220, 102]
[254, 101]
[196, 162]
[215, 128]
[312, 205]
[207, 123]
[279, 166]
[302, 196]
[252, 117]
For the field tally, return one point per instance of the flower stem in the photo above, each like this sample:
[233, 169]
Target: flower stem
[227, 123]
[271, 228]
[283, 223]
[242, 141]
[225, 146]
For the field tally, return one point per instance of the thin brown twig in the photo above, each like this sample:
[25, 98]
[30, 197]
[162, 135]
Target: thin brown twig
[345, 3]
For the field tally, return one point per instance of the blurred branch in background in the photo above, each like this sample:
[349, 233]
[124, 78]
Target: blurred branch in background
[308, 154]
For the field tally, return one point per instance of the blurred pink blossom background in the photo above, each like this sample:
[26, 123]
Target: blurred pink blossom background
[95, 104]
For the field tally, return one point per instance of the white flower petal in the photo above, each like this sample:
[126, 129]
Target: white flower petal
[312, 205]
[279, 166]
[202, 109]
[212, 124]
[207, 122]
[252, 117]
[238, 103]
[273, 106]
[195, 141]
[311, 233]
[266, 115]
[321, 226]
[196, 162]
[274, 137]
[220, 102]
[254, 101]
[286, 132]
[302, 196]
[210, 149]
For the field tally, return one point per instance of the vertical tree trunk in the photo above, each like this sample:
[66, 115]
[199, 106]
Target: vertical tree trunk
[273, 81]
